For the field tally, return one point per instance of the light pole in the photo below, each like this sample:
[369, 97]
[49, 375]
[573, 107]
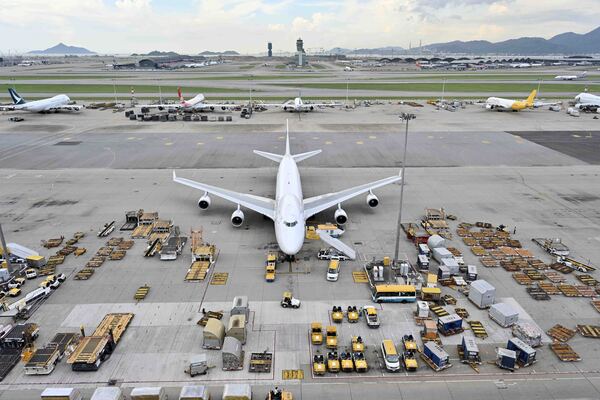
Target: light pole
[404, 117]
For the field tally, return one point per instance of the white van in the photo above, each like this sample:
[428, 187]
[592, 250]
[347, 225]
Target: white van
[61, 394]
[390, 355]
[333, 271]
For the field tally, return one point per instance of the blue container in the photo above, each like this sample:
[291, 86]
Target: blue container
[450, 322]
[436, 354]
[525, 353]
[507, 359]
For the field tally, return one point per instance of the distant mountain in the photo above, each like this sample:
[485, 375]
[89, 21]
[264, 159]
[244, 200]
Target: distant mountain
[222, 53]
[565, 43]
[62, 48]
[157, 53]
[388, 50]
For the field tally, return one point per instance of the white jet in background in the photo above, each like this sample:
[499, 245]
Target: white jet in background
[587, 102]
[196, 103]
[571, 77]
[289, 210]
[297, 105]
[53, 104]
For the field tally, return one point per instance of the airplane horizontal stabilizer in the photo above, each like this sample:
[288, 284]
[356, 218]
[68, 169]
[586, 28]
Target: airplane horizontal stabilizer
[270, 156]
[304, 156]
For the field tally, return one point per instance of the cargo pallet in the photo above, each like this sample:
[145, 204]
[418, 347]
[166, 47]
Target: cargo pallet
[141, 293]
[589, 331]
[554, 277]
[360, 277]
[561, 333]
[117, 255]
[449, 299]
[462, 312]
[198, 271]
[80, 251]
[522, 279]
[210, 314]
[537, 293]
[126, 244]
[478, 329]
[114, 241]
[549, 288]
[84, 274]
[587, 280]
[50, 243]
[564, 352]
[569, 290]
[596, 304]
[260, 362]
[432, 364]
[585, 291]
[450, 332]
[438, 310]
[561, 268]
[219, 278]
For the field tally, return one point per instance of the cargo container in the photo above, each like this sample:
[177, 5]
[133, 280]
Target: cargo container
[431, 294]
[237, 328]
[194, 392]
[436, 241]
[471, 273]
[61, 394]
[424, 250]
[437, 355]
[439, 253]
[213, 334]
[469, 351]
[482, 294]
[148, 393]
[529, 333]
[526, 355]
[237, 391]
[506, 359]
[450, 324]
[451, 264]
[422, 309]
[198, 365]
[504, 314]
[423, 261]
[240, 306]
[108, 393]
[443, 272]
[233, 355]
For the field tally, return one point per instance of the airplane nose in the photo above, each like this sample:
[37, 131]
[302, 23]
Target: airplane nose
[289, 248]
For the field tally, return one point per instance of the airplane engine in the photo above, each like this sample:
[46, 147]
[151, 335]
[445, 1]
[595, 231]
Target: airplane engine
[212, 108]
[285, 108]
[237, 218]
[372, 200]
[340, 216]
[204, 202]
[223, 108]
[311, 108]
[489, 107]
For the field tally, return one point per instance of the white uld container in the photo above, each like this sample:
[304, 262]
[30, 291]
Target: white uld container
[481, 293]
[504, 314]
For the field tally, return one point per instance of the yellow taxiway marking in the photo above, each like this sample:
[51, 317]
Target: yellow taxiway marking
[360, 142]
[372, 137]
[575, 135]
[219, 138]
[168, 143]
[67, 138]
[199, 143]
[328, 142]
[131, 138]
[281, 137]
[486, 142]
[430, 137]
[316, 137]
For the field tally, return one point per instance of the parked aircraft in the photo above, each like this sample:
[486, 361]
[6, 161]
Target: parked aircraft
[500, 104]
[196, 103]
[571, 77]
[53, 104]
[297, 105]
[587, 102]
[289, 210]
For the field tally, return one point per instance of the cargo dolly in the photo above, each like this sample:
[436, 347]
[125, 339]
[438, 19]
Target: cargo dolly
[461, 312]
[432, 364]
[438, 310]
[596, 304]
[569, 290]
[522, 279]
[141, 293]
[587, 280]
[107, 229]
[549, 288]
[50, 243]
[537, 293]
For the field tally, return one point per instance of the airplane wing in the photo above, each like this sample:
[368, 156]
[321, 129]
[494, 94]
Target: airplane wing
[314, 205]
[65, 108]
[261, 205]
[204, 106]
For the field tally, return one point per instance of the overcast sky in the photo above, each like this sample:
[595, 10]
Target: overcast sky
[191, 26]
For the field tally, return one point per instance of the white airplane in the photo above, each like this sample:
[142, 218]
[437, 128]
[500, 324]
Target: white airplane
[586, 101]
[500, 104]
[571, 77]
[297, 105]
[290, 210]
[196, 103]
[53, 104]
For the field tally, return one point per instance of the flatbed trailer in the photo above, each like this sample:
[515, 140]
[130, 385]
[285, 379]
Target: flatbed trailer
[576, 265]
[8, 359]
[552, 246]
[564, 352]
[43, 361]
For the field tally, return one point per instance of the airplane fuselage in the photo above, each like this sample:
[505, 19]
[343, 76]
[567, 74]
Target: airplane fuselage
[289, 210]
[45, 104]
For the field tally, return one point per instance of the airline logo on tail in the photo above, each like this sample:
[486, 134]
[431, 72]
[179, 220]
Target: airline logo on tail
[15, 97]
[531, 98]
[180, 95]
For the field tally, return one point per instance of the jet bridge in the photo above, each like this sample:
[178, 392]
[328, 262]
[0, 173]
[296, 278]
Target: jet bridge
[337, 244]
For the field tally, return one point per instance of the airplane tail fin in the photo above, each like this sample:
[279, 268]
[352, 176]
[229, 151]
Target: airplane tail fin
[274, 157]
[287, 137]
[531, 98]
[16, 98]
[304, 156]
[180, 95]
[278, 157]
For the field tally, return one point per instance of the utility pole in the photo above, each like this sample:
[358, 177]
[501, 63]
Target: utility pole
[406, 117]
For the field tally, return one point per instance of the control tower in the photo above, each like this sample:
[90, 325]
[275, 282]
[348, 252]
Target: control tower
[300, 52]
[269, 49]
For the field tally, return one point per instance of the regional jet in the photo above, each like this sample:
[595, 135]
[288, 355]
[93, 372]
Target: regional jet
[500, 104]
[53, 104]
[571, 77]
[587, 102]
[297, 105]
[289, 210]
